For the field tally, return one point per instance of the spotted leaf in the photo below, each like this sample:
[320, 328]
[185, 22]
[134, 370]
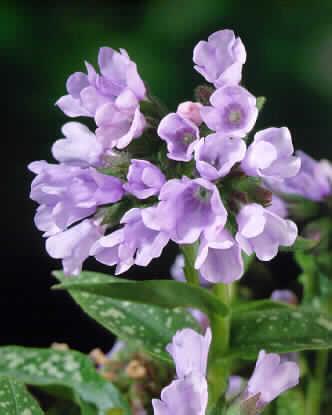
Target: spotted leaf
[71, 370]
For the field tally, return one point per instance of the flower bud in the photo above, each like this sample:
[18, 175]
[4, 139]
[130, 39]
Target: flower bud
[191, 111]
[203, 93]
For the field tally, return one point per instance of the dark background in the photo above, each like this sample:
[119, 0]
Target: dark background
[289, 45]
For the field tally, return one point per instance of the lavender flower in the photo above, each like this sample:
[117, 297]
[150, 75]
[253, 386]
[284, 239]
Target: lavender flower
[262, 232]
[134, 243]
[311, 182]
[278, 206]
[233, 111]
[68, 194]
[271, 378]
[189, 351]
[144, 179]
[186, 208]
[220, 59]
[79, 148]
[188, 396]
[181, 136]
[117, 127]
[112, 98]
[271, 155]
[119, 83]
[73, 245]
[219, 256]
[326, 167]
[216, 154]
[236, 385]
[191, 111]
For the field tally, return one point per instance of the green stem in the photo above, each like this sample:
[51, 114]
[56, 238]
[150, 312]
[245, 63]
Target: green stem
[219, 366]
[316, 384]
[190, 253]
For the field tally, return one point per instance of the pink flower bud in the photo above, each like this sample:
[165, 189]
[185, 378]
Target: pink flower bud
[191, 111]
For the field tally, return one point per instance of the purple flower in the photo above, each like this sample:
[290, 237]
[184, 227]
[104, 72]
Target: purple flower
[181, 136]
[177, 271]
[236, 385]
[112, 98]
[201, 318]
[73, 245]
[285, 296]
[271, 378]
[271, 155]
[219, 256]
[134, 243]
[220, 59]
[216, 154]
[119, 83]
[144, 179]
[79, 148]
[191, 111]
[188, 396]
[186, 208]
[233, 111]
[189, 351]
[262, 232]
[68, 194]
[118, 127]
[311, 182]
[278, 206]
[326, 167]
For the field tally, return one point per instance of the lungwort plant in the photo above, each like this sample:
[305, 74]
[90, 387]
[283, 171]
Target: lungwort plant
[230, 197]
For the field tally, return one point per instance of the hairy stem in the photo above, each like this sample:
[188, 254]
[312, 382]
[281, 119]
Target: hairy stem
[316, 384]
[219, 366]
[189, 253]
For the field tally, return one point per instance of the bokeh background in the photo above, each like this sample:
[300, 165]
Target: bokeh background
[289, 44]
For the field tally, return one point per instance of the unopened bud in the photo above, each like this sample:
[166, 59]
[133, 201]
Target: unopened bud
[263, 196]
[98, 357]
[136, 370]
[191, 111]
[203, 93]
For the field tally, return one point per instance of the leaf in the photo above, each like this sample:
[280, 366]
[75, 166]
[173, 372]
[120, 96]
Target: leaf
[161, 293]
[70, 369]
[16, 400]
[149, 326]
[280, 330]
[291, 403]
[258, 305]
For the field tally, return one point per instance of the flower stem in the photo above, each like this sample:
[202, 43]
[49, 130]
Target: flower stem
[316, 384]
[219, 366]
[189, 253]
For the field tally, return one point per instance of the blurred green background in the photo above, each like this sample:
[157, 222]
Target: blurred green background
[289, 45]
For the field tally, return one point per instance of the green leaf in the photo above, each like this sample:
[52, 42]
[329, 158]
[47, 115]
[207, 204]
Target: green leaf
[53, 368]
[16, 400]
[279, 330]
[291, 403]
[258, 305]
[149, 326]
[161, 293]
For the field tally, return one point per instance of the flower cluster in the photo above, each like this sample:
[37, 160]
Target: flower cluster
[188, 393]
[206, 182]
